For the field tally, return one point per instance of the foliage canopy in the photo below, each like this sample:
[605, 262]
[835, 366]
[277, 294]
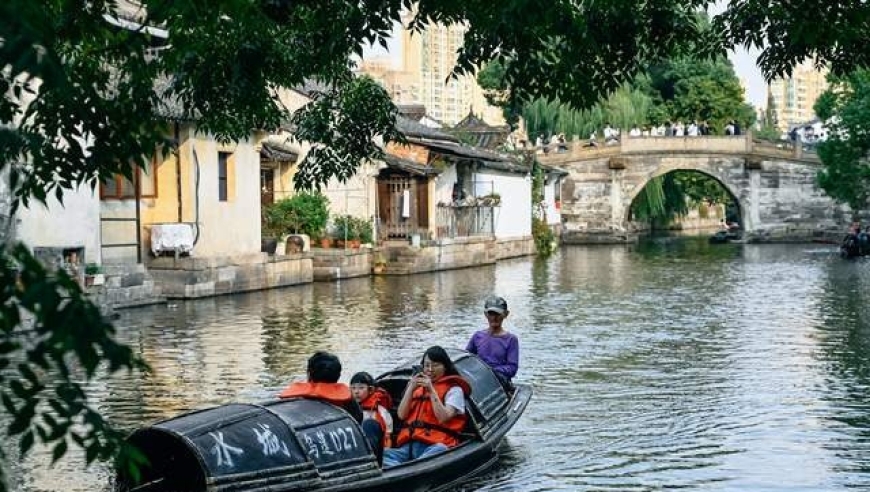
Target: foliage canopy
[845, 108]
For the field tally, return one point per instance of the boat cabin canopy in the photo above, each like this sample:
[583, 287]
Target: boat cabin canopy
[242, 445]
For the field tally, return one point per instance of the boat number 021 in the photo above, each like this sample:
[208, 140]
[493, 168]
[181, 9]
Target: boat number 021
[323, 444]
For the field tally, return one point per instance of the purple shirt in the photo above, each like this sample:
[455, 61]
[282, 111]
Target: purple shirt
[502, 352]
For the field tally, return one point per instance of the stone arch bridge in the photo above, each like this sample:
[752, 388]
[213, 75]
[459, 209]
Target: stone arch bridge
[775, 188]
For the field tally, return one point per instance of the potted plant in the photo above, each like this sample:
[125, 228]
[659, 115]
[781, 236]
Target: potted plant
[345, 230]
[363, 230]
[94, 275]
[322, 239]
[273, 227]
[308, 213]
[490, 200]
[304, 213]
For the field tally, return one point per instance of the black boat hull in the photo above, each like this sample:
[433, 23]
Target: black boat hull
[449, 468]
[309, 445]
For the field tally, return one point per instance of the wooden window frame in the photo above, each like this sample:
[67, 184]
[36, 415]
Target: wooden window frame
[223, 172]
[117, 182]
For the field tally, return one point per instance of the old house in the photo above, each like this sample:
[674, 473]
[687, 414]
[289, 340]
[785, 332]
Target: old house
[437, 188]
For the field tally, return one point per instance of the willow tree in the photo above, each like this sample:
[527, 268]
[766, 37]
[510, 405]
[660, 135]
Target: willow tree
[672, 195]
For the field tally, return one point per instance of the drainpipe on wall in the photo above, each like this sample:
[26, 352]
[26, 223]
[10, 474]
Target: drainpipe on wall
[137, 179]
[178, 169]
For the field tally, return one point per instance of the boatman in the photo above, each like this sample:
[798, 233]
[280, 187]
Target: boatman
[496, 346]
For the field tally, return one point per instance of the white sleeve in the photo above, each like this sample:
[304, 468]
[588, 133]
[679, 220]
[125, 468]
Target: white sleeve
[456, 399]
[388, 419]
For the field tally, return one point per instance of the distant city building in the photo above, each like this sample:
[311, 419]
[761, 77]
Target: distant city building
[402, 86]
[794, 96]
[427, 59]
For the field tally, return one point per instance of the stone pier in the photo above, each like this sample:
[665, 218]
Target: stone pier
[192, 277]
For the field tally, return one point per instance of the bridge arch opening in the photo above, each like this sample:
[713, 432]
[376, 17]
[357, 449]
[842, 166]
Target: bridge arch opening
[689, 198]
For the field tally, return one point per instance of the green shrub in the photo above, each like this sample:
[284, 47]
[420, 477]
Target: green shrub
[545, 240]
[363, 229]
[343, 228]
[352, 228]
[304, 213]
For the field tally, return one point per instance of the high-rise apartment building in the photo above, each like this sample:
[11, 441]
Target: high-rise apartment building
[427, 60]
[402, 86]
[793, 97]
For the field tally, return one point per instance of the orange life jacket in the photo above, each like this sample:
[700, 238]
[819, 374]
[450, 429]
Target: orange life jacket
[336, 393]
[423, 426]
[378, 397]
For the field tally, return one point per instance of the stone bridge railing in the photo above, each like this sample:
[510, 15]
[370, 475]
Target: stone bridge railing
[741, 144]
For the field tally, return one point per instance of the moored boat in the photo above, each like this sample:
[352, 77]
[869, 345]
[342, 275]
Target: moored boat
[307, 445]
[724, 236]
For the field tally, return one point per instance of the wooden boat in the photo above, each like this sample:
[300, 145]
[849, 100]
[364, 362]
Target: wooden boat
[723, 236]
[308, 445]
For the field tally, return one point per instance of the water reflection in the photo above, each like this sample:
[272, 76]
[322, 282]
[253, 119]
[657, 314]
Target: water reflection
[669, 364]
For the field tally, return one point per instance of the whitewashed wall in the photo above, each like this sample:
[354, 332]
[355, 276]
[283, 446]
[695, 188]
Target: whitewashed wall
[514, 217]
[554, 215]
[73, 224]
[357, 196]
[233, 226]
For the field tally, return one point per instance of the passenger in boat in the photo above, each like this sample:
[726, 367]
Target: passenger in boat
[496, 346]
[432, 409]
[850, 247]
[324, 370]
[376, 404]
[864, 242]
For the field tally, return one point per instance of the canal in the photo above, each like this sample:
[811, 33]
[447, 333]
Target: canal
[669, 364]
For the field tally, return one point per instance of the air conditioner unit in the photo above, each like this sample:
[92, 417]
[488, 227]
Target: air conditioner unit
[175, 238]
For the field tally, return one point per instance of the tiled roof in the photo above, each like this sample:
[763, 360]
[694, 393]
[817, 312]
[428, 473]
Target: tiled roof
[271, 150]
[409, 166]
[413, 129]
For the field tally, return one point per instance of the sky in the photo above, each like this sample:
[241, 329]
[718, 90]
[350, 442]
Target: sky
[746, 67]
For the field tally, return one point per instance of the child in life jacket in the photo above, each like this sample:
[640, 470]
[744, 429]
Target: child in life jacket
[375, 403]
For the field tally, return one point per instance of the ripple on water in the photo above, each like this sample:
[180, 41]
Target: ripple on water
[674, 365]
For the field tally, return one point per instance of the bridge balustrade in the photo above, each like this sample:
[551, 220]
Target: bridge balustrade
[711, 144]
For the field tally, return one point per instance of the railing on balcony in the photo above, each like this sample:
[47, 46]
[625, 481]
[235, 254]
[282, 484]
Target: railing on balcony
[464, 221]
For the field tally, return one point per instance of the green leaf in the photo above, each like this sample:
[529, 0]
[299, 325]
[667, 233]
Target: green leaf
[8, 404]
[18, 425]
[58, 452]
[91, 453]
[25, 443]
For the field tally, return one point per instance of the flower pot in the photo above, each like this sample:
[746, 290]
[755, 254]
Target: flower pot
[294, 245]
[268, 245]
[354, 243]
[99, 279]
[325, 242]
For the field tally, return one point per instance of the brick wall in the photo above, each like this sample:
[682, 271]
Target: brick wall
[411, 152]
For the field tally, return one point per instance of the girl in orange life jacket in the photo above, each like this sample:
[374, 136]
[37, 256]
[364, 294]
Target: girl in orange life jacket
[433, 409]
[375, 403]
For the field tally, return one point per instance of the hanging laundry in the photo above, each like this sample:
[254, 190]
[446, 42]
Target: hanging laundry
[406, 204]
